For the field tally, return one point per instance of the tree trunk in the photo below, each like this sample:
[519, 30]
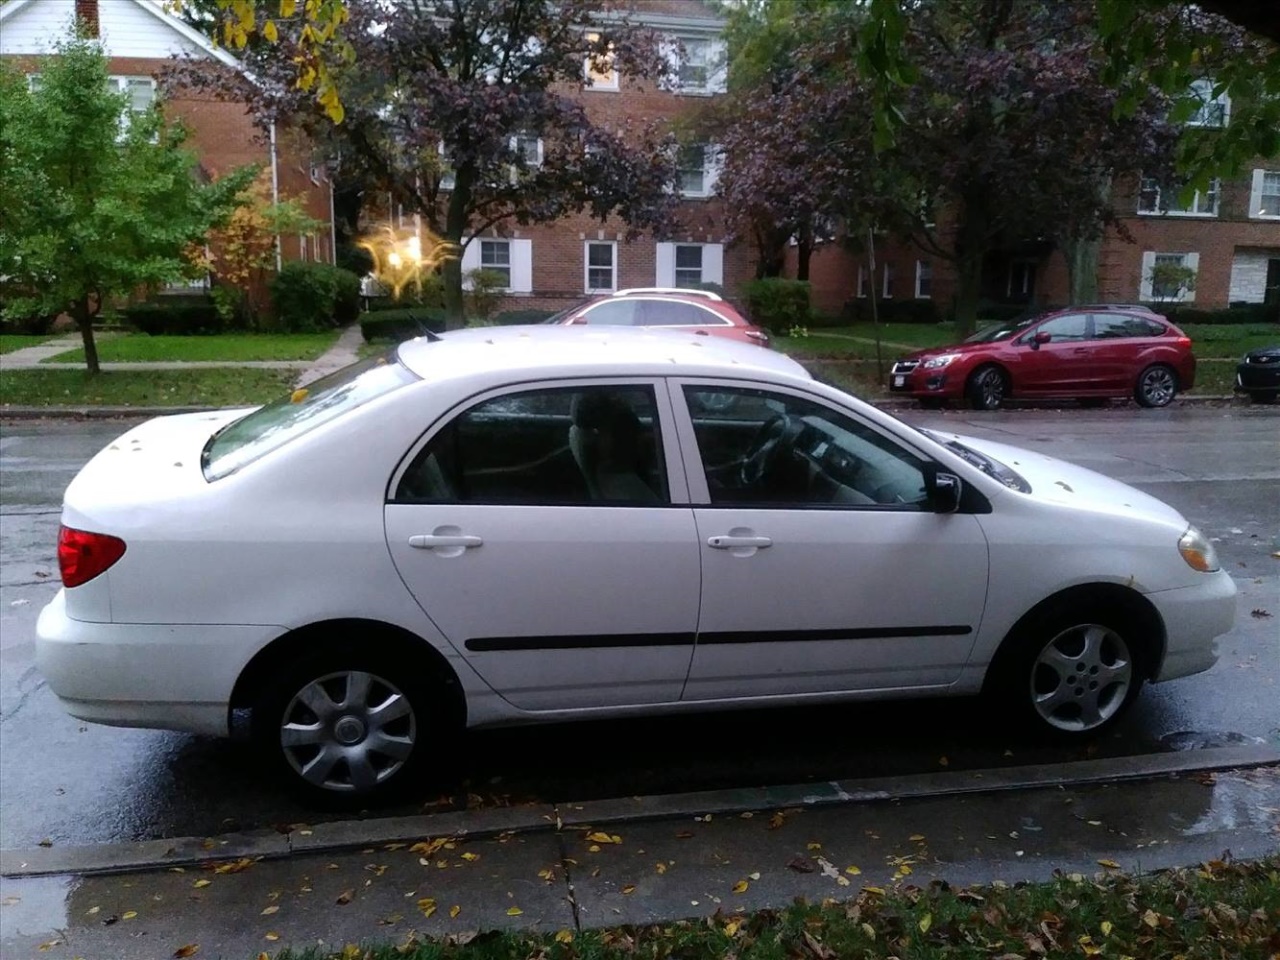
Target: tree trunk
[804, 251]
[455, 314]
[968, 287]
[84, 320]
[455, 228]
[1082, 269]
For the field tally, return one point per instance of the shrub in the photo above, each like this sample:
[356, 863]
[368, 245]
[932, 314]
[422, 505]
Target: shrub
[429, 294]
[35, 325]
[346, 300]
[922, 311]
[511, 318]
[402, 324]
[778, 304]
[305, 296]
[176, 318]
[488, 287]
[1237, 313]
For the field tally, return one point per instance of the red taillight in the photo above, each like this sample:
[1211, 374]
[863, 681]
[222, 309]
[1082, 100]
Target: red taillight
[1183, 342]
[83, 555]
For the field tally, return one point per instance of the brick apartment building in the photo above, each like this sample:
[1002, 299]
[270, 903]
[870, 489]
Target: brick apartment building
[1229, 235]
[140, 38]
[551, 265]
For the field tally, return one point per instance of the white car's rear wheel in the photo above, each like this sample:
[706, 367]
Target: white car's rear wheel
[347, 729]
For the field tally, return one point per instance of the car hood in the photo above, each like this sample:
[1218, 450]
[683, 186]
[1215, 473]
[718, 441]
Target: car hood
[961, 348]
[1269, 354]
[1057, 481]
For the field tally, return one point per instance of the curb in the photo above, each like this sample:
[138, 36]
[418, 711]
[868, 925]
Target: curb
[537, 818]
[117, 413]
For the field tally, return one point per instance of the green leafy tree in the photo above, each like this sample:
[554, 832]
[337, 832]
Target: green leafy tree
[98, 201]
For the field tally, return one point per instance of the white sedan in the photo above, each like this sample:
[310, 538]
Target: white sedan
[515, 525]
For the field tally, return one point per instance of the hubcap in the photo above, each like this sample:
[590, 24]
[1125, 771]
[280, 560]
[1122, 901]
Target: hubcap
[1081, 678]
[992, 388]
[348, 731]
[1159, 387]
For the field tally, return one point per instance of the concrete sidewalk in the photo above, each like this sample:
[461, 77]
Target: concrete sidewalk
[560, 870]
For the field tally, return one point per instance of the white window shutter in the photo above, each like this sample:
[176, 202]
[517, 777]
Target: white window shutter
[665, 257]
[717, 67]
[669, 49]
[713, 263]
[1144, 284]
[522, 266]
[1255, 194]
[470, 259]
[1192, 261]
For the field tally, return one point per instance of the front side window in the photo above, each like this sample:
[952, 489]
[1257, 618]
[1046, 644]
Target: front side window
[268, 428]
[560, 446]
[602, 276]
[767, 449]
[495, 256]
[688, 266]
[613, 313]
[1068, 328]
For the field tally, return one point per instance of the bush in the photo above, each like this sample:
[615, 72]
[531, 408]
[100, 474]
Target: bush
[429, 294]
[1237, 313]
[922, 311]
[488, 288]
[511, 318]
[402, 324]
[313, 296]
[778, 304]
[35, 325]
[176, 318]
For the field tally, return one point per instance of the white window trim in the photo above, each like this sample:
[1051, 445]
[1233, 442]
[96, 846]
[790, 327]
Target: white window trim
[886, 286]
[710, 173]
[515, 146]
[520, 260]
[715, 67]
[665, 263]
[511, 257]
[1195, 202]
[592, 82]
[1222, 98]
[586, 266]
[862, 282]
[920, 264]
[1256, 211]
[1145, 285]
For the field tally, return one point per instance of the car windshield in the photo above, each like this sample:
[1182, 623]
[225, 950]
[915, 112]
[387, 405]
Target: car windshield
[1003, 331]
[271, 427]
[988, 465]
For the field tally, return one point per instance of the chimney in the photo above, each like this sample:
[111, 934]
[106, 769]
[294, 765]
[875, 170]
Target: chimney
[87, 17]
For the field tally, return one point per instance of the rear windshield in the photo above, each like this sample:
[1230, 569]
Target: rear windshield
[271, 427]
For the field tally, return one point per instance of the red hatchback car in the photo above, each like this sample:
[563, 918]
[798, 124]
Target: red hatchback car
[1086, 352]
[696, 311]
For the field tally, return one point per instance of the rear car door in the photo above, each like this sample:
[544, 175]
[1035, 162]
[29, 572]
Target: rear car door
[823, 568]
[1120, 340]
[535, 527]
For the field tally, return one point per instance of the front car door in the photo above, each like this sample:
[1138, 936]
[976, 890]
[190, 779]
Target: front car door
[535, 528]
[823, 568]
[1060, 366]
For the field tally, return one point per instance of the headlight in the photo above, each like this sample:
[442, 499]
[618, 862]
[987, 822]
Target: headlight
[1198, 551]
[933, 363]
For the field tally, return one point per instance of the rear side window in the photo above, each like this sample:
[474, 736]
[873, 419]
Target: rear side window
[1115, 326]
[271, 427]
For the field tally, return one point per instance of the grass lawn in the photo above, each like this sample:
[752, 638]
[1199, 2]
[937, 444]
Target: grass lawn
[1229, 341]
[10, 342]
[140, 348]
[1207, 913]
[143, 388]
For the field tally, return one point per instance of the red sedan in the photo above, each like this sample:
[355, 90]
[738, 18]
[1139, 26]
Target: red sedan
[697, 311]
[1087, 352]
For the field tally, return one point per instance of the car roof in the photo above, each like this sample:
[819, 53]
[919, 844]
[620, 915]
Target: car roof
[556, 351]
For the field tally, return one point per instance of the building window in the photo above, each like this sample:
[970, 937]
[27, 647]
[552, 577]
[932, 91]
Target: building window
[695, 66]
[1152, 200]
[444, 168]
[688, 265]
[862, 282]
[495, 256]
[924, 279]
[601, 267]
[886, 288]
[600, 72]
[1169, 277]
[1264, 198]
[528, 148]
[1210, 111]
[693, 170]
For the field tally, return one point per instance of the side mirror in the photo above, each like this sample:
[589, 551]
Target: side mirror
[944, 490]
[1040, 339]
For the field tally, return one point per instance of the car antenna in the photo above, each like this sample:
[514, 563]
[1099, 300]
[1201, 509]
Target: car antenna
[424, 331]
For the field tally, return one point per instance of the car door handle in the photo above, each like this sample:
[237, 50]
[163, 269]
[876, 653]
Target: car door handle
[730, 542]
[425, 541]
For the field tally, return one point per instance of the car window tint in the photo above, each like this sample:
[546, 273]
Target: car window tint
[764, 448]
[550, 446]
[675, 313]
[1071, 326]
[1111, 326]
[612, 313]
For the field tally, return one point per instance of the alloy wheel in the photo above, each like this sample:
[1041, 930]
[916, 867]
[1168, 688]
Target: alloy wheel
[1157, 387]
[989, 388]
[348, 731]
[1081, 678]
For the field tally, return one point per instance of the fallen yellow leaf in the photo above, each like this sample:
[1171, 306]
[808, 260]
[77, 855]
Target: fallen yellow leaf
[1151, 919]
[629, 889]
[731, 928]
[660, 867]
[514, 911]
[916, 837]
[741, 886]
[599, 837]
[344, 897]
[268, 911]
[925, 922]
[814, 846]
[1107, 928]
[186, 950]
[128, 914]
[299, 395]
[1109, 864]
[272, 936]
[201, 883]
[869, 930]
[454, 911]
[92, 910]
[853, 871]
[878, 891]
[564, 936]
[594, 848]
[547, 875]
[470, 857]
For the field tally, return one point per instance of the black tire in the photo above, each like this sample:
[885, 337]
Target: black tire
[369, 760]
[1262, 396]
[987, 388]
[1156, 387]
[1071, 672]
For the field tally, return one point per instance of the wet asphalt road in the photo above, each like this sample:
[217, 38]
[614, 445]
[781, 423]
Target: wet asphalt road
[69, 782]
